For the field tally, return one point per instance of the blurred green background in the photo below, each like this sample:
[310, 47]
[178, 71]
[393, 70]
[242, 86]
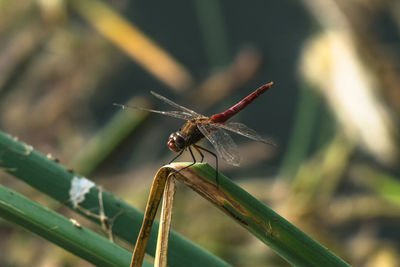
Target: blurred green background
[334, 112]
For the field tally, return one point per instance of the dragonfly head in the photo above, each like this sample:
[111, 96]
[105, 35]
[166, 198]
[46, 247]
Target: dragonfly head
[176, 142]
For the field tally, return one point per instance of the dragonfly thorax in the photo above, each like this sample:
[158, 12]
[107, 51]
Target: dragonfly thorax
[176, 142]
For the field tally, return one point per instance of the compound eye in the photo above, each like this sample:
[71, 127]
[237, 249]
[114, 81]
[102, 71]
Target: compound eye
[176, 142]
[179, 142]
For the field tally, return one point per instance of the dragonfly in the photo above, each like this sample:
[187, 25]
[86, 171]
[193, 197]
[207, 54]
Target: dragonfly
[213, 128]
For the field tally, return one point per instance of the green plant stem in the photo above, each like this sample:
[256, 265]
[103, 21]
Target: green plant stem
[301, 138]
[49, 177]
[61, 231]
[98, 148]
[288, 241]
[284, 238]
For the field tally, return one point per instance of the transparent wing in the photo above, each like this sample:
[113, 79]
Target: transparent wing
[176, 114]
[222, 142]
[172, 103]
[240, 128]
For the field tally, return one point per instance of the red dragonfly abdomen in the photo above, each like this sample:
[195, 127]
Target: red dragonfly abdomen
[226, 115]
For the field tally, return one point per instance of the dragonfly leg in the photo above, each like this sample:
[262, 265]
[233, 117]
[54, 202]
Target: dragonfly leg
[199, 151]
[193, 157]
[198, 148]
[177, 156]
[191, 164]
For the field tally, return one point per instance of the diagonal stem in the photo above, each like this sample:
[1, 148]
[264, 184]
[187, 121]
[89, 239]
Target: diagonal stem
[165, 223]
[153, 202]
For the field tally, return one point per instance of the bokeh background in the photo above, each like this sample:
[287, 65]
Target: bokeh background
[334, 112]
